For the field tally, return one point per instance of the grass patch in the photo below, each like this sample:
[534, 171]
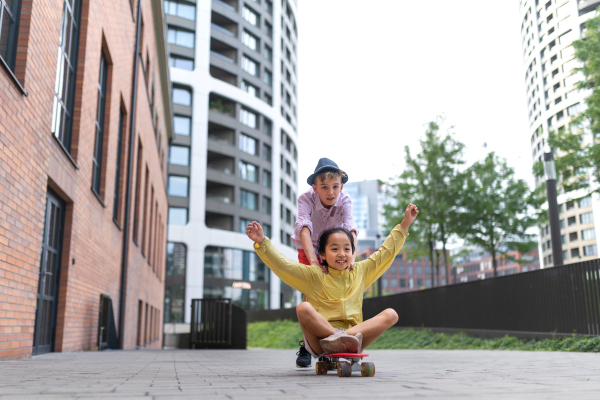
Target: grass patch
[286, 334]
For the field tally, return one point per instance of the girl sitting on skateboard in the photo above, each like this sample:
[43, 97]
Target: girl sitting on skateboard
[331, 318]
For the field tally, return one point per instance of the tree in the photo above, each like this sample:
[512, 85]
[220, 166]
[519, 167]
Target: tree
[494, 213]
[430, 180]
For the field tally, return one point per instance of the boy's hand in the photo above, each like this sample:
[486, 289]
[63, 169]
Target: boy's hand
[255, 232]
[324, 268]
[409, 216]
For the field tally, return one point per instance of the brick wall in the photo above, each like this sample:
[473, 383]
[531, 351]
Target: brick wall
[32, 160]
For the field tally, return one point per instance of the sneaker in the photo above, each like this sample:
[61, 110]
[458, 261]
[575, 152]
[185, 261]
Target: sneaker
[304, 357]
[359, 337]
[340, 342]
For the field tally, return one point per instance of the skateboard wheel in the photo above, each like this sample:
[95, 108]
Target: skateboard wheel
[344, 369]
[321, 367]
[368, 369]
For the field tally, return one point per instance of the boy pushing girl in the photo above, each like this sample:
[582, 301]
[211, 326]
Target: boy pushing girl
[331, 318]
[322, 207]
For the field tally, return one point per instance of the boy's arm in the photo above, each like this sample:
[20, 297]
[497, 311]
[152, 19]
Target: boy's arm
[349, 224]
[306, 241]
[381, 260]
[299, 276]
[303, 226]
[351, 266]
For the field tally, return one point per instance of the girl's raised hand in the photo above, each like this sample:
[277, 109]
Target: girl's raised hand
[255, 232]
[409, 216]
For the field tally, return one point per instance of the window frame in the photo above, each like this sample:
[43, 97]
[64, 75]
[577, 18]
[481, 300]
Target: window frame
[70, 56]
[99, 125]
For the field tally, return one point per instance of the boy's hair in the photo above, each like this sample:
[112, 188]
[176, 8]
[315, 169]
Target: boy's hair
[325, 236]
[327, 175]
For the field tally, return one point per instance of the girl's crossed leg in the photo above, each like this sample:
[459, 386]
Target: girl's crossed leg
[315, 327]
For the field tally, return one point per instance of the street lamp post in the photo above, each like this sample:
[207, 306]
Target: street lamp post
[550, 171]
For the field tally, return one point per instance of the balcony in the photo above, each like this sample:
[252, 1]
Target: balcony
[219, 221]
[221, 105]
[221, 134]
[223, 51]
[231, 5]
[220, 163]
[223, 75]
[224, 25]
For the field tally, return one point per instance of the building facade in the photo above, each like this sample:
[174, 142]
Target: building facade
[234, 155]
[368, 198]
[72, 102]
[548, 30]
[477, 264]
[406, 274]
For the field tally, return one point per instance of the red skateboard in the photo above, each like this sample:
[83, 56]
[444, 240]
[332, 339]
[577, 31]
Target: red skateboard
[345, 363]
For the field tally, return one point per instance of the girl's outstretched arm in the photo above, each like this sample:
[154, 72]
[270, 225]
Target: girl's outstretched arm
[299, 276]
[374, 266]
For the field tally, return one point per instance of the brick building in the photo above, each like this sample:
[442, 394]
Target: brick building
[85, 121]
[478, 265]
[406, 274]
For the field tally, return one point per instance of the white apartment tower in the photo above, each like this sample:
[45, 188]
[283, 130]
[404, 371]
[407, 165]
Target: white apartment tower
[234, 155]
[548, 30]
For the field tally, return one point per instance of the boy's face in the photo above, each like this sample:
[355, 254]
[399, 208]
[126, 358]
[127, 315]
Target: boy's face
[328, 190]
[338, 251]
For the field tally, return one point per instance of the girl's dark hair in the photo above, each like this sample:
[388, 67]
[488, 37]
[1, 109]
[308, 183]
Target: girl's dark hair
[325, 236]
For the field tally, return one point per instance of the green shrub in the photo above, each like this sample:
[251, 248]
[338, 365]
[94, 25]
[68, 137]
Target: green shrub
[286, 334]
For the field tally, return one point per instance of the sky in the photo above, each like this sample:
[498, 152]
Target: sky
[371, 74]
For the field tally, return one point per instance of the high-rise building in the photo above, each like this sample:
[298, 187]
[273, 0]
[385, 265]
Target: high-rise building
[368, 199]
[85, 120]
[548, 30]
[234, 156]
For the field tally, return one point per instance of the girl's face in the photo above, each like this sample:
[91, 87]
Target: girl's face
[338, 251]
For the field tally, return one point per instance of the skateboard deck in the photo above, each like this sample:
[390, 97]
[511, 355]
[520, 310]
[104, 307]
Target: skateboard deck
[345, 363]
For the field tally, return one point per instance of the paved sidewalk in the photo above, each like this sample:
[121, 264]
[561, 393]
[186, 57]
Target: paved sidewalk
[271, 374]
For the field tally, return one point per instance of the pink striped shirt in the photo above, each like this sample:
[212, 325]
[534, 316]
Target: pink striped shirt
[317, 218]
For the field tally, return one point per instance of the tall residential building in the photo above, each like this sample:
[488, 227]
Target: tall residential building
[548, 30]
[234, 155]
[368, 199]
[85, 120]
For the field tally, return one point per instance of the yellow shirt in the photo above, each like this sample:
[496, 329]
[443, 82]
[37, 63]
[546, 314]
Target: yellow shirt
[338, 295]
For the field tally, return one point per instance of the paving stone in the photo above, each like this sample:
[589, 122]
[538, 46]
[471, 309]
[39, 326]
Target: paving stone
[271, 374]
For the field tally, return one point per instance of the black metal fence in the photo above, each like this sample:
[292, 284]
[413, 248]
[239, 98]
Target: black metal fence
[554, 301]
[217, 324]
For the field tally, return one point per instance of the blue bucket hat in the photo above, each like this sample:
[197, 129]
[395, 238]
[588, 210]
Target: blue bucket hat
[325, 164]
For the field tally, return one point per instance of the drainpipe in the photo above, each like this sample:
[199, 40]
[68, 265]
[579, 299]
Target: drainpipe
[129, 178]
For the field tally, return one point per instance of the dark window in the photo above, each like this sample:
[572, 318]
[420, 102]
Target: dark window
[122, 118]
[570, 205]
[266, 206]
[572, 236]
[64, 86]
[9, 31]
[97, 160]
[575, 252]
[571, 221]
[266, 154]
[138, 184]
[175, 282]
